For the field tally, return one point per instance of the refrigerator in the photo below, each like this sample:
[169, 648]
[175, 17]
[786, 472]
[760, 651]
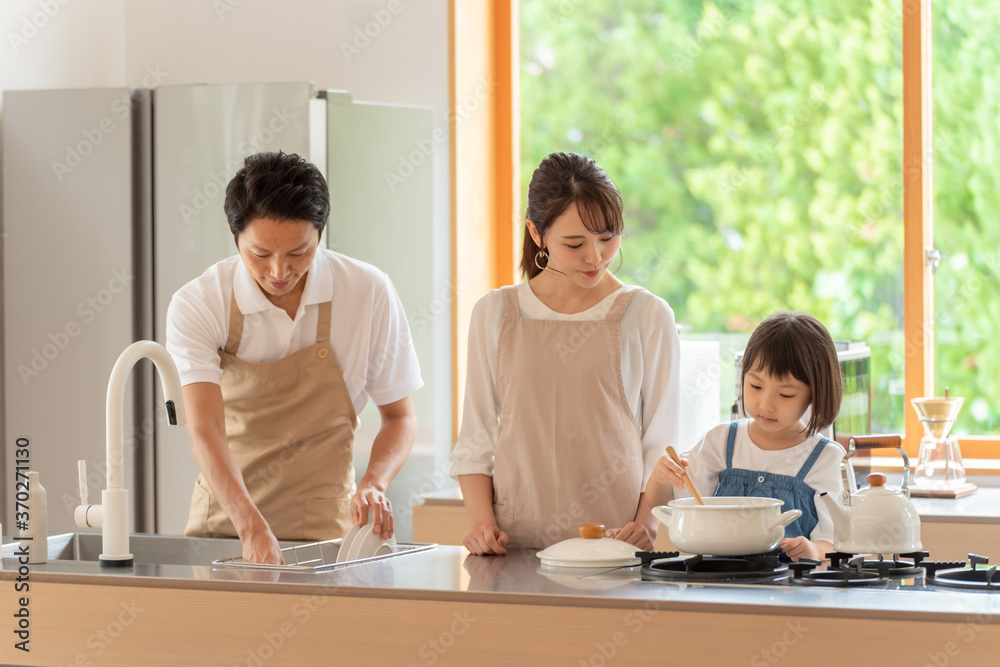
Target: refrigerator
[113, 199]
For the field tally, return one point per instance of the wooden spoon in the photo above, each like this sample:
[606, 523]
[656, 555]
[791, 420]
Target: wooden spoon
[687, 480]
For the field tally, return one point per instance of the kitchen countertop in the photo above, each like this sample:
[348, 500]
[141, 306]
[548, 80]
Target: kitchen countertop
[982, 506]
[450, 573]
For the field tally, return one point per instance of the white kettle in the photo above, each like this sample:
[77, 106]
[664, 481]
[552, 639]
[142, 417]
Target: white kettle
[879, 520]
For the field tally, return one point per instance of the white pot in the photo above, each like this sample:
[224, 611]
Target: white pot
[726, 526]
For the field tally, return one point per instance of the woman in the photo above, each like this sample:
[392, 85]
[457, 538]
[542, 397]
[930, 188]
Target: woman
[572, 388]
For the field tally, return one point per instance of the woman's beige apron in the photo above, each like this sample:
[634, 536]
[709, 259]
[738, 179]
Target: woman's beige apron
[568, 449]
[290, 425]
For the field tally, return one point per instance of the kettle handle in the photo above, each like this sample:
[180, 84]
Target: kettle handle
[853, 443]
[663, 513]
[784, 519]
[888, 441]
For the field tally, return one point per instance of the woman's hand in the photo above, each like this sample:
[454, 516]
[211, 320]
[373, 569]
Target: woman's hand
[486, 539]
[669, 473]
[633, 533]
[801, 547]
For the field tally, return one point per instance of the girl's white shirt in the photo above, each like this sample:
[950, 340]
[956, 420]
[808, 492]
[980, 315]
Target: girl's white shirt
[650, 363]
[708, 457]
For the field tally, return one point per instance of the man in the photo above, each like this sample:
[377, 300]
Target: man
[279, 349]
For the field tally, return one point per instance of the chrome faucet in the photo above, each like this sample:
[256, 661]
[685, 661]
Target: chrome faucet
[112, 515]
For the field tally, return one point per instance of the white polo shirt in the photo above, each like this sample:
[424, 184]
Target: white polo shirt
[369, 333]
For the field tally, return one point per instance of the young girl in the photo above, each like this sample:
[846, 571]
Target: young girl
[790, 364]
[572, 385]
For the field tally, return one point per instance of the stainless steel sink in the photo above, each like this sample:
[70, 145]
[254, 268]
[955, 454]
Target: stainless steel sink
[146, 548]
[149, 549]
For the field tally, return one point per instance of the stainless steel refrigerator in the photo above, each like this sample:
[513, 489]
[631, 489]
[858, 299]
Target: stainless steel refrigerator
[113, 200]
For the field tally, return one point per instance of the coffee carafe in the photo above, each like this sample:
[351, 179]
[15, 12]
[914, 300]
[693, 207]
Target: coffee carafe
[939, 464]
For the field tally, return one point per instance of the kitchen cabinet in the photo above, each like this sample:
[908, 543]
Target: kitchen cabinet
[441, 518]
[446, 607]
[952, 528]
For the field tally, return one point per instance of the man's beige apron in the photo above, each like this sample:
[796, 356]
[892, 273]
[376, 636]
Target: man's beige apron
[568, 449]
[290, 425]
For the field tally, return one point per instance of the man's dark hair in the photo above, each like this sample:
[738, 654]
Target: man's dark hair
[278, 186]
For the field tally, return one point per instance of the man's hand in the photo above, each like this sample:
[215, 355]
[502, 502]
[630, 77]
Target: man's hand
[369, 500]
[389, 451]
[206, 424]
[262, 547]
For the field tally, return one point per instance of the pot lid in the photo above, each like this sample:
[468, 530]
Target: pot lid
[592, 549]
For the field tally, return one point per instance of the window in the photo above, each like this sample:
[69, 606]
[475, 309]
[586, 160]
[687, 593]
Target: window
[759, 146]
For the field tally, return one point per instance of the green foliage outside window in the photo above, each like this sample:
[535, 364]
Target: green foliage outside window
[758, 145]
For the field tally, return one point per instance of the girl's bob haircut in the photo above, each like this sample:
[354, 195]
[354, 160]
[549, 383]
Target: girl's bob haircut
[798, 345]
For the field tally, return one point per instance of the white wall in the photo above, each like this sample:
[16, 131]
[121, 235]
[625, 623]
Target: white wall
[294, 40]
[392, 51]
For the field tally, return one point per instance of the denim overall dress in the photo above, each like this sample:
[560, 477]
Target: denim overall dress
[758, 484]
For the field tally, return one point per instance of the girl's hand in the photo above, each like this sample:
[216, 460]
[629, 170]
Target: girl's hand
[669, 473]
[800, 547]
[486, 539]
[633, 533]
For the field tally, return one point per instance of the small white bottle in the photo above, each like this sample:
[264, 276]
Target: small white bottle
[38, 521]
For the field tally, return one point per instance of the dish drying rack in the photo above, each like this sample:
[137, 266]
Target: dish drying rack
[322, 557]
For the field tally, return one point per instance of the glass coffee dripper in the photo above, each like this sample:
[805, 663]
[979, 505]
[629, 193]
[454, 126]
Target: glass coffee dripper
[939, 464]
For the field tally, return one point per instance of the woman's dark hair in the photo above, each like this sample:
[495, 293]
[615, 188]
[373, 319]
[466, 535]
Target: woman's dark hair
[563, 179]
[797, 345]
[277, 186]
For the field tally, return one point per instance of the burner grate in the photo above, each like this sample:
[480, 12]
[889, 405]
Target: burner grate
[958, 575]
[698, 568]
[841, 574]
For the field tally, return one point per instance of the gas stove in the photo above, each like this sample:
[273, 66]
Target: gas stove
[911, 571]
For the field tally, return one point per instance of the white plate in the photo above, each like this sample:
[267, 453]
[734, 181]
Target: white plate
[368, 543]
[345, 545]
[355, 551]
